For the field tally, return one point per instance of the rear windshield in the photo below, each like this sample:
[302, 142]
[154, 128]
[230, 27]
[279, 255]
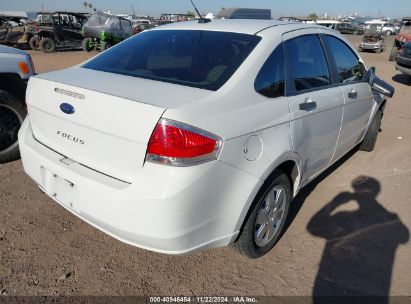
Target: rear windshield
[202, 59]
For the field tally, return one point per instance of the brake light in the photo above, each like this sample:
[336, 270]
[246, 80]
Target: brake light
[178, 144]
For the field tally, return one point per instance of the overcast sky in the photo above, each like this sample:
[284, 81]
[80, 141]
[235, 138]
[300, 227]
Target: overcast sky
[389, 8]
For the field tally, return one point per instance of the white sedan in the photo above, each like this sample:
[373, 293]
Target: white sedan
[199, 135]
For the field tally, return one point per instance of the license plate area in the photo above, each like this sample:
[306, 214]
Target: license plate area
[60, 189]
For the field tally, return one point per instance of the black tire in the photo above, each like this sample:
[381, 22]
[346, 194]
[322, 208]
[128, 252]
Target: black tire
[104, 45]
[368, 143]
[246, 242]
[34, 43]
[12, 115]
[393, 53]
[85, 45]
[47, 45]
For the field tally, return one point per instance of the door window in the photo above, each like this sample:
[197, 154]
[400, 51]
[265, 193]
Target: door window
[349, 68]
[306, 63]
[270, 80]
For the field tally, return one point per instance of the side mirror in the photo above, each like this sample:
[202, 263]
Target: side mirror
[382, 87]
[377, 84]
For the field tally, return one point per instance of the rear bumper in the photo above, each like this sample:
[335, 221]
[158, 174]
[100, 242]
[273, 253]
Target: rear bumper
[366, 46]
[169, 210]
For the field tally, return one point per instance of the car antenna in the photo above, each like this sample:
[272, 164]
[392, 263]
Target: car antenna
[202, 19]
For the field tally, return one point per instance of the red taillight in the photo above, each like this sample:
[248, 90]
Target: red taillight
[178, 144]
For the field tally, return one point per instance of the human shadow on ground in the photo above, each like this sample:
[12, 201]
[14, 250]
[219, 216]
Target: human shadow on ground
[360, 245]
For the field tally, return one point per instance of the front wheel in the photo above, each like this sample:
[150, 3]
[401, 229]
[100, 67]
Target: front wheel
[265, 224]
[86, 45]
[47, 45]
[368, 144]
[34, 43]
[12, 115]
[388, 33]
[104, 45]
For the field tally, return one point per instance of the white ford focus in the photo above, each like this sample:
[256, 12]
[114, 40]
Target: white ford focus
[198, 135]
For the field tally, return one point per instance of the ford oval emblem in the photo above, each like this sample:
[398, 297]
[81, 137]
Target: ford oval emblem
[67, 108]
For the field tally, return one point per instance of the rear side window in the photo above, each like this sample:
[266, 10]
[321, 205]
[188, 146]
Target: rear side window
[202, 59]
[348, 67]
[271, 78]
[306, 63]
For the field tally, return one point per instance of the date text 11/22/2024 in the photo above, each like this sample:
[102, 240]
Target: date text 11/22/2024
[203, 299]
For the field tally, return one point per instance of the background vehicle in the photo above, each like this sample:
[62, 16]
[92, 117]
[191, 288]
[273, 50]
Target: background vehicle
[15, 69]
[138, 28]
[244, 13]
[403, 60]
[387, 27]
[374, 39]
[403, 36]
[103, 31]
[59, 29]
[332, 24]
[166, 18]
[350, 28]
[15, 31]
[181, 177]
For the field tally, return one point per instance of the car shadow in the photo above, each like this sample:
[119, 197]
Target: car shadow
[360, 245]
[403, 79]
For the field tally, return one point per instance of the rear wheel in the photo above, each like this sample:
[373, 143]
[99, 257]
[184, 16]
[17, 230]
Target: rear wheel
[264, 225]
[34, 43]
[370, 138]
[12, 115]
[86, 45]
[393, 53]
[104, 45]
[48, 45]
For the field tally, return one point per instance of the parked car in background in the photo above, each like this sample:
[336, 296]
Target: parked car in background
[244, 13]
[374, 39]
[350, 28]
[332, 24]
[166, 18]
[59, 30]
[102, 31]
[388, 28]
[403, 36]
[16, 67]
[138, 28]
[136, 141]
[403, 59]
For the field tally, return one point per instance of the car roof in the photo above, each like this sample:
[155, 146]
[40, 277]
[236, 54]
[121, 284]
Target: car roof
[244, 26]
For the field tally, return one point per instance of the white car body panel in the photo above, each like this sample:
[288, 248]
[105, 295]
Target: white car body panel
[177, 210]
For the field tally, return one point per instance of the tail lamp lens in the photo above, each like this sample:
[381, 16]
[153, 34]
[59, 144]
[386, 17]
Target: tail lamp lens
[178, 144]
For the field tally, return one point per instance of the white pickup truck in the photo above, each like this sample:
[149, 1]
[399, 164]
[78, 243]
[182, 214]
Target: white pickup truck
[16, 67]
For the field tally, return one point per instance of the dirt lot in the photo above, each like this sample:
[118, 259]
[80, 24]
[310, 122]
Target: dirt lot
[360, 240]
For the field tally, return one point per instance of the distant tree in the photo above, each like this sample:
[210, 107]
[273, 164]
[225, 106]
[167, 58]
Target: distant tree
[191, 13]
[85, 4]
[90, 6]
[313, 16]
[94, 9]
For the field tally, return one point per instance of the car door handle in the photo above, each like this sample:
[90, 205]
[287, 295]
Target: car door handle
[353, 94]
[308, 105]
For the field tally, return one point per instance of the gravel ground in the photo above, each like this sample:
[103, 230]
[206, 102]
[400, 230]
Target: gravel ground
[339, 238]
